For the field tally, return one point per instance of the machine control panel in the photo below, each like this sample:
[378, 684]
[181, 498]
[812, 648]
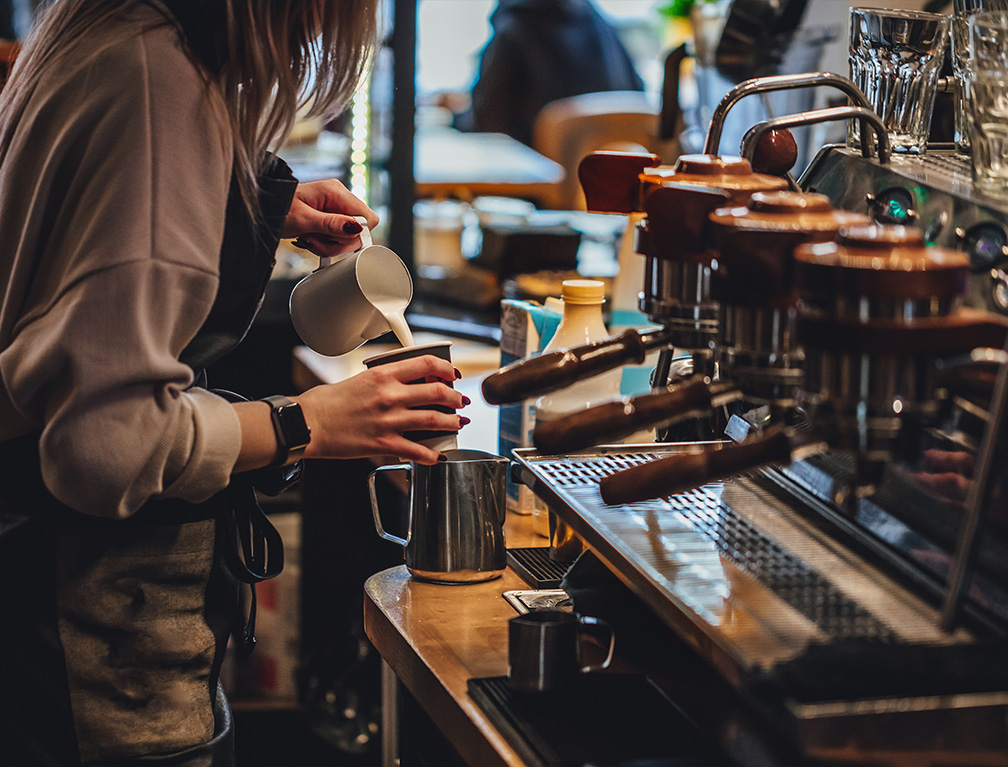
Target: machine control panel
[933, 192]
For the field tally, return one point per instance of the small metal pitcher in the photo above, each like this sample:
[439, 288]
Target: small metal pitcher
[455, 525]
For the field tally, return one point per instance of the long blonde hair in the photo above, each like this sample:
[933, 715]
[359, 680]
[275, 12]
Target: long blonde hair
[311, 54]
[285, 58]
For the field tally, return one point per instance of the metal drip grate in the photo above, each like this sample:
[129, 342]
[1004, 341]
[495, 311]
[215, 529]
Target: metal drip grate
[536, 568]
[705, 510]
[792, 580]
[574, 472]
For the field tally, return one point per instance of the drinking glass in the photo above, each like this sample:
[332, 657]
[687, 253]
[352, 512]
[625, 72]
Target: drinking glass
[962, 11]
[895, 57]
[988, 100]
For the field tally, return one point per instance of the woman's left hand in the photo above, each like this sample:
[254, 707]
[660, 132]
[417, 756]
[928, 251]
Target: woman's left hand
[322, 218]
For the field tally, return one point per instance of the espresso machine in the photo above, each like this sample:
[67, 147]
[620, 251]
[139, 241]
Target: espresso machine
[836, 550]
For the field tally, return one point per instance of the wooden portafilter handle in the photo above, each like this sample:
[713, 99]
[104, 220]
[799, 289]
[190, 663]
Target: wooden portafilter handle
[612, 421]
[611, 180]
[549, 372]
[685, 471]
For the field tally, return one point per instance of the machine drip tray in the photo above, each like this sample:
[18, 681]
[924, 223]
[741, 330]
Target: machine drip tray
[601, 719]
[537, 568]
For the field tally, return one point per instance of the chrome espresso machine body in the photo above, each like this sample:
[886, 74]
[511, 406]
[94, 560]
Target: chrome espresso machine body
[842, 565]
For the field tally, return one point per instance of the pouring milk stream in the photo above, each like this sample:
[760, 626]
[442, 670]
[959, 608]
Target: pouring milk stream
[393, 309]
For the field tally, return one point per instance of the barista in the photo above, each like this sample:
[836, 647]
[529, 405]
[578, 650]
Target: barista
[140, 212]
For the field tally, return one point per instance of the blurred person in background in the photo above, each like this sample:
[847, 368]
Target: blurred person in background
[541, 51]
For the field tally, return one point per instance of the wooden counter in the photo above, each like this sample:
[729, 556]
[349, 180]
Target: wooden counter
[434, 638]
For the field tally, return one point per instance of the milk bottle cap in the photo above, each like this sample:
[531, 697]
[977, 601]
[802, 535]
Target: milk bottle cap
[583, 292]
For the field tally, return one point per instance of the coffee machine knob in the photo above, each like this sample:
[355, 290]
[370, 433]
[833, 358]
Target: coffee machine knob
[894, 205]
[775, 153]
[986, 244]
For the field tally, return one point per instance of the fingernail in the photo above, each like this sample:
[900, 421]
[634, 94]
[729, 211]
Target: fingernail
[442, 458]
[466, 401]
[458, 373]
[463, 421]
[352, 227]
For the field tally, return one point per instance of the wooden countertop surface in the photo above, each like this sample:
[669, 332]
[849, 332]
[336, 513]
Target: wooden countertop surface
[435, 638]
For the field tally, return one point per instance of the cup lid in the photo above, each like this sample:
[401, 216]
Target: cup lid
[904, 260]
[408, 352]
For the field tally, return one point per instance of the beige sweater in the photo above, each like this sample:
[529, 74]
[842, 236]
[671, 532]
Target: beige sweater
[112, 201]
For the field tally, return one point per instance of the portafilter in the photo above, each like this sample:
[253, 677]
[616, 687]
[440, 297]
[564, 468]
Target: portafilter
[672, 237]
[676, 200]
[877, 309]
[759, 360]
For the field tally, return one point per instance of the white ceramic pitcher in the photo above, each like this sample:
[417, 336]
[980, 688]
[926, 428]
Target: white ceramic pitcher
[346, 301]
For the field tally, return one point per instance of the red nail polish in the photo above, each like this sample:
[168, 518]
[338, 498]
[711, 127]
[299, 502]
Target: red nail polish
[352, 227]
[442, 458]
[466, 401]
[463, 421]
[458, 373]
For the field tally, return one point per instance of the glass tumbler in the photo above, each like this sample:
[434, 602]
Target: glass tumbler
[895, 57]
[961, 64]
[988, 101]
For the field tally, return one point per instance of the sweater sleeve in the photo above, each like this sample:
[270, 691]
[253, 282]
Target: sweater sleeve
[134, 192]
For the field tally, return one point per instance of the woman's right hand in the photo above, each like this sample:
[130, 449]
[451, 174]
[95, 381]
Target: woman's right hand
[366, 415]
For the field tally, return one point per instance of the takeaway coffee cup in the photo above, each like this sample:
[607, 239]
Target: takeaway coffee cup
[352, 299]
[435, 440]
[544, 649]
[455, 523]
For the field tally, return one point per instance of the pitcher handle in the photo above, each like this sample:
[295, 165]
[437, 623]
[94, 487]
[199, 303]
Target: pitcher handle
[365, 242]
[408, 468]
[593, 622]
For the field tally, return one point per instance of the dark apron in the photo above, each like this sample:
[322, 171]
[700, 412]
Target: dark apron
[36, 720]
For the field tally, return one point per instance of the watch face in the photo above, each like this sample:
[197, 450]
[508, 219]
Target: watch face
[295, 430]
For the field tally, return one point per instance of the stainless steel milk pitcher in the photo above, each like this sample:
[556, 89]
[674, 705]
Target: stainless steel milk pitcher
[455, 525]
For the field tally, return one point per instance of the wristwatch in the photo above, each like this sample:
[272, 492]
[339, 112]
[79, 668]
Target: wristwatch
[292, 433]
